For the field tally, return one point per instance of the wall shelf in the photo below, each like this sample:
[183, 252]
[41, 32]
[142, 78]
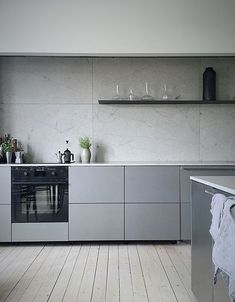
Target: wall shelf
[158, 102]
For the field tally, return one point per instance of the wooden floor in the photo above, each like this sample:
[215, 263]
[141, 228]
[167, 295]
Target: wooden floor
[66, 272]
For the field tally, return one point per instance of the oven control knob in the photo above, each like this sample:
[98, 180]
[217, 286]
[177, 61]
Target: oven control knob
[26, 173]
[53, 173]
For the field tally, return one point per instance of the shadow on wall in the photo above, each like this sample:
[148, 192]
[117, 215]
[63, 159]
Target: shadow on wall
[99, 152]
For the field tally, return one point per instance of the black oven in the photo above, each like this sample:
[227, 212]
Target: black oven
[39, 194]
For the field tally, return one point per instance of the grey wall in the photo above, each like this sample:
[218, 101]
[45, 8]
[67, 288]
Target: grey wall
[44, 101]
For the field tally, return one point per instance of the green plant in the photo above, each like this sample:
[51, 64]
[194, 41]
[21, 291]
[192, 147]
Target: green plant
[85, 142]
[7, 145]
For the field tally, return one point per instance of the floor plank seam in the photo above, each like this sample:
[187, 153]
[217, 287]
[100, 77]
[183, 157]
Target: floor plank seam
[95, 273]
[25, 272]
[60, 272]
[141, 267]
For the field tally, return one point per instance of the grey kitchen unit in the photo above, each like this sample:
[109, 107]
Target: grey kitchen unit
[185, 173]
[202, 267]
[5, 204]
[48, 231]
[152, 203]
[96, 203]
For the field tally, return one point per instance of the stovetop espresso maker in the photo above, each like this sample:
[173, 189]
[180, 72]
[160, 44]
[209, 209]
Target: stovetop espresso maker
[67, 156]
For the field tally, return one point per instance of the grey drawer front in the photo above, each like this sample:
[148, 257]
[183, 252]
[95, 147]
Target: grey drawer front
[220, 291]
[185, 221]
[152, 184]
[96, 184]
[185, 174]
[152, 222]
[5, 185]
[39, 232]
[96, 222]
[5, 223]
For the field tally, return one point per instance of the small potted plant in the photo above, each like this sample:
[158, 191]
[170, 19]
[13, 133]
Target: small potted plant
[85, 145]
[7, 148]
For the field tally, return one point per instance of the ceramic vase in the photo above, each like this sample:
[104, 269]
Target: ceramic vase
[85, 156]
[9, 156]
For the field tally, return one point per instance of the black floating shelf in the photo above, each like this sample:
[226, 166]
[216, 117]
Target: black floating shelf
[156, 102]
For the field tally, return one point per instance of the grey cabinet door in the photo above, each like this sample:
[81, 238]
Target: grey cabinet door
[96, 184]
[5, 185]
[185, 220]
[150, 221]
[202, 272]
[152, 184]
[96, 222]
[220, 291]
[5, 223]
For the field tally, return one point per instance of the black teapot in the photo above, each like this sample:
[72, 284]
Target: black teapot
[67, 156]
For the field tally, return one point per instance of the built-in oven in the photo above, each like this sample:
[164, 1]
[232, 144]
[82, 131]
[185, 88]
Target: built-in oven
[39, 194]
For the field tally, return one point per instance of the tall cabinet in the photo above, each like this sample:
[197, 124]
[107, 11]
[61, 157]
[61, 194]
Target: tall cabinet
[5, 204]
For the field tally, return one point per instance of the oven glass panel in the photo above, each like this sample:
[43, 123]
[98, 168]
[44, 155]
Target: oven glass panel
[40, 202]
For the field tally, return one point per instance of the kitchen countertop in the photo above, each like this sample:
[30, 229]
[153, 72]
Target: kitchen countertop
[223, 183]
[135, 163]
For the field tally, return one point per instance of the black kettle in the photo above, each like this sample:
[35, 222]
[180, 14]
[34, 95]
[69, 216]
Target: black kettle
[68, 156]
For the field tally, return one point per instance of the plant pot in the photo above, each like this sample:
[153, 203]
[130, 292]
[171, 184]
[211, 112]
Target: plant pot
[85, 156]
[9, 156]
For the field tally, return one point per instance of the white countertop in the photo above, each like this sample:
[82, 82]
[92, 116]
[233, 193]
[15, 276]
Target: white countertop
[135, 163]
[223, 183]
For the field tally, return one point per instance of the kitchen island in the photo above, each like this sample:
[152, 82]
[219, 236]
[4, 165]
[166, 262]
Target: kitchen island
[203, 188]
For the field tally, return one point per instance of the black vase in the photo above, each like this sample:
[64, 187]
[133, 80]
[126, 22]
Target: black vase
[209, 84]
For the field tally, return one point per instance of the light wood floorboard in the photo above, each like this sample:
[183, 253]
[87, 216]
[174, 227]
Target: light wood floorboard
[95, 272]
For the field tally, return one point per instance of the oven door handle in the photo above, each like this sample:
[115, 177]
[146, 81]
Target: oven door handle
[39, 183]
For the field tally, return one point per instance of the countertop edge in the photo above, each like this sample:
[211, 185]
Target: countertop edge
[210, 181]
[103, 164]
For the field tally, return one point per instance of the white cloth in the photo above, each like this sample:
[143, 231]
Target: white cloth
[223, 232]
[217, 207]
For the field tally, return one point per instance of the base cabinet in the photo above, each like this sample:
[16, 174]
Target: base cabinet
[152, 221]
[185, 219]
[5, 223]
[39, 232]
[96, 222]
[185, 173]
[220, 291]
[202, 266]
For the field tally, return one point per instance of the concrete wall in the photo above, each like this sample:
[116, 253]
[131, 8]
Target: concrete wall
[44, 101]
[123, 27]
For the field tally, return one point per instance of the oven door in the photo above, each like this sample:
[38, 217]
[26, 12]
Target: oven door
[39, 202]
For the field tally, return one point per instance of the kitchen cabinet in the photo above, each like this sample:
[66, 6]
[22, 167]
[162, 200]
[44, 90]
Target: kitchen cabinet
[202, 275]
[152, 203]
[5, 185]
[96, 184]
[152, 221]
[96, 222]
[202, 270]
[23, 232]
[185, 173]
[5, 223]
[220, 291]
[151, 184]
[96, 203]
